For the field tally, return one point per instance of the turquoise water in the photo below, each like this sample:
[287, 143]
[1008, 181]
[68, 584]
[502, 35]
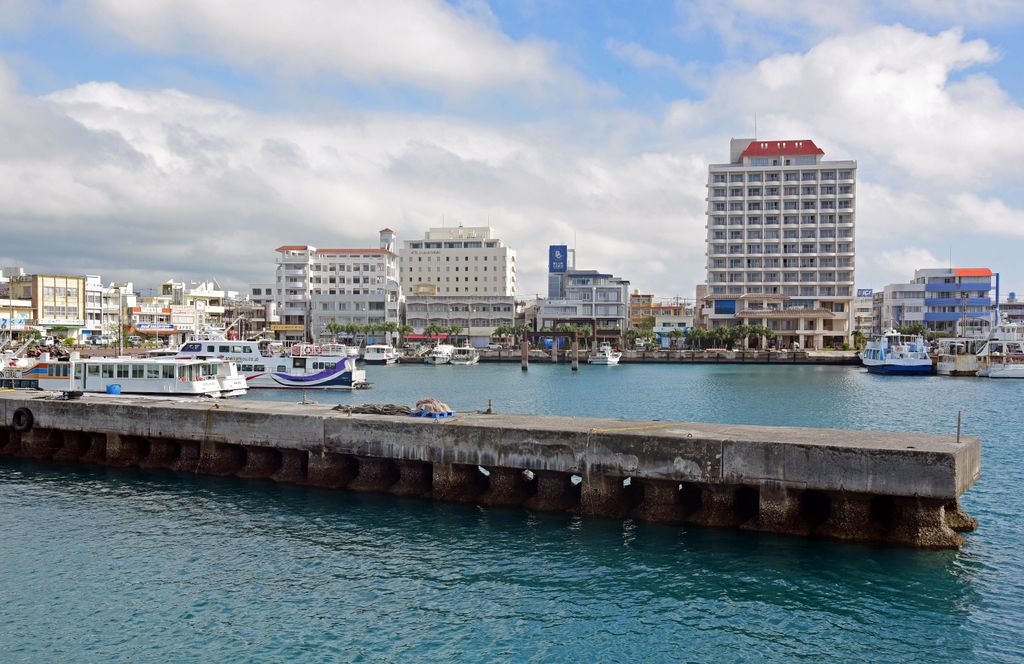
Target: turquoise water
[99, 564]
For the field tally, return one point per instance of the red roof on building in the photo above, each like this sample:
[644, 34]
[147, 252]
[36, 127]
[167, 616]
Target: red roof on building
[972, 272]
[802, 146]
[292, 247]
[352, 251]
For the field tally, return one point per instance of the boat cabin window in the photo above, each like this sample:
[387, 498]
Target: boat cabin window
[258, 367]
[299, 363]
[108, 370]
[192, 347]
[78, 371]
[246, 367]
[238, 349]
[281, 367]
[93, 370]
[225, 349]
[167, 371]
[122, 371]
[152, 371]
[138, 371]
[211, 349]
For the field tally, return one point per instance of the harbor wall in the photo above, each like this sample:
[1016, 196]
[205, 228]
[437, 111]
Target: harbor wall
[902, 488]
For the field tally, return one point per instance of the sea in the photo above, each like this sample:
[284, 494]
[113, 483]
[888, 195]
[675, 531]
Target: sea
[108, 565]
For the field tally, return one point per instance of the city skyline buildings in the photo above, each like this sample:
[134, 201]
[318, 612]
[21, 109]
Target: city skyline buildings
[190, 151]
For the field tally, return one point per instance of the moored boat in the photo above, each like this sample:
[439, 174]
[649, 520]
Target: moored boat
[465, 355]
[957, 357]
[605, 354]
[440, 354]
[897, 354]
[129, 375]
[1002, 355]
[380, 354]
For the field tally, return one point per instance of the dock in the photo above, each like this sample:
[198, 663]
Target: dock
[869, 486]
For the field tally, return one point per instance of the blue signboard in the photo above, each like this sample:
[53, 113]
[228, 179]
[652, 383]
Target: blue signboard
[557, 258]
[865, 292]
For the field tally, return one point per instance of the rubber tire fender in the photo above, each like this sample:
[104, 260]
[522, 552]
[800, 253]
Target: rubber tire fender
[22, 420]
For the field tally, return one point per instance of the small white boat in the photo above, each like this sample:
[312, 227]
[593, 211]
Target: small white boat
[465, 355]
[130, 375]
[897, 354]
[605, 354]
[380, 354]
[1002, 355]
[440, 354]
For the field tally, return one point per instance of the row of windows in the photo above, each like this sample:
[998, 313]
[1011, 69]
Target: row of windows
[453, 245]
[786, 205]
[448, 259]
[787, 263]
[792, 176]
[805, 248]
[811, 190]
[789, 234]
[782, 277]
[449, 269]
[793, 291]
[773, 220]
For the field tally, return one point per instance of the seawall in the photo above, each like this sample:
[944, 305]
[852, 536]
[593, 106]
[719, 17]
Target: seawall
[902, 488]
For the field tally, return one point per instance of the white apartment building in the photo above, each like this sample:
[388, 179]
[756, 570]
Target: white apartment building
[477, 315]
[93, 305]
[464, 260]
[780, 241]
[314, 287]
[954, 301]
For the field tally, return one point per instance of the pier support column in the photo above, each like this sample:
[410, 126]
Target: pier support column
[293, 467]
[220, 458]
[414, 478]
[189, 453]
[10, 442]
[506, 487]
[163, 453]
[662, 502]
[73, 446]
[602, 495]
[576, 354]
[260, 462]
[97, 452]
[778, 511]
[555, 492]
[524, 355]
[374, 474]
[126, 451]
[329, 470]
[850, 518]
[457, 482]
[921, 522]
[957, 519]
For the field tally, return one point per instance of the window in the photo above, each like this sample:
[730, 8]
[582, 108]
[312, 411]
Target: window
[138, 371]
[93, 370]
[152, 371]
[167, 370]
[108, 370]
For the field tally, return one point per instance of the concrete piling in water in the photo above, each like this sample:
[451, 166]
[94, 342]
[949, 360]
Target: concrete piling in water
[576, 354]
[524, 355]
[849, 485]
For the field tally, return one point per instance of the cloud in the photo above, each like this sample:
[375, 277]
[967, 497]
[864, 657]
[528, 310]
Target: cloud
[897, 266]
[424, 44]
[640, 57]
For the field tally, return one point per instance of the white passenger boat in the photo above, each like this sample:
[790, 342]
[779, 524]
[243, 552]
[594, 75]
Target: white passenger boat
[380, 354]
[465, 355]
[895, 353]
[129, 375]
[440, 354]
[957, 356]
[303, 366]
[1002, 355]
[605, 354]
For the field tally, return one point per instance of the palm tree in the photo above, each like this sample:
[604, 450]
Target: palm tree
[388, 328]
[454, 331]
[403, 331]
[334, 327]
[675, 335]
[434, 330]
[520, 331]
[859, 340]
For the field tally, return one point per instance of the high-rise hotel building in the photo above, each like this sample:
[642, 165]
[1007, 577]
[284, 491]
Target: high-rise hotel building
[780, 241]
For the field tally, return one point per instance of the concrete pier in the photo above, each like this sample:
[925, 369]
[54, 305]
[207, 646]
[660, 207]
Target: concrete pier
[902, 488]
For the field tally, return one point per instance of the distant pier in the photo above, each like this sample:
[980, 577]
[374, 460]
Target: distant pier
[902, 488]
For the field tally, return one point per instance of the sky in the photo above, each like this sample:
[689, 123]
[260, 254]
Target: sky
[186, 139]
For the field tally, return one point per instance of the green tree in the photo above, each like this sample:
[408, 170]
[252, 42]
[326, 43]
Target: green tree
[454, 332]
[335, 328]
[859, 340]
[675, 335]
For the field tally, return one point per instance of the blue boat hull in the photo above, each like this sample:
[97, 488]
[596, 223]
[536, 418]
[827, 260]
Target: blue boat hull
[901, 370]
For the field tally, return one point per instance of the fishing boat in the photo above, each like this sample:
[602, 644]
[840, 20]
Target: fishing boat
[465, 355]
[898, 354]
[380, 354]
[128, 375]
[1002, 355]
[440, 354]
[605, 354]
[957, 356]
[302, 366]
